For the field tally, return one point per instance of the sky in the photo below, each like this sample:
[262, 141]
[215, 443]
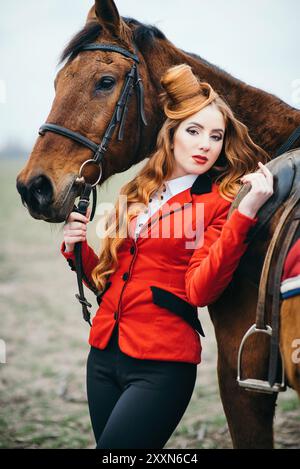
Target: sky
[256, 41]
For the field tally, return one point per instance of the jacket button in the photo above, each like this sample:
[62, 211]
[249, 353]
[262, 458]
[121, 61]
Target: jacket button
[115, 315]
[132, 250]
[125, 276]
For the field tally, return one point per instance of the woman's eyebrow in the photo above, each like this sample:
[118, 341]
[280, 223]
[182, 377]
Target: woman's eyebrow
[201, 127]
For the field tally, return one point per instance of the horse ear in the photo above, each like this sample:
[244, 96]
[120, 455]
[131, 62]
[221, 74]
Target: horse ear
[108, 15]
[91, 15]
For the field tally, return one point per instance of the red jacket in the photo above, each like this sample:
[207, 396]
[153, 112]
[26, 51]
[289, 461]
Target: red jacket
[154, 293]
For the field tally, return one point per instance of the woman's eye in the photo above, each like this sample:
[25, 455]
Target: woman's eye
[105, 84]
[217, 138]
[192, 131]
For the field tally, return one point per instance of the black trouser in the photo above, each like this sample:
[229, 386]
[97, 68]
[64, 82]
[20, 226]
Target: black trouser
[135, 403]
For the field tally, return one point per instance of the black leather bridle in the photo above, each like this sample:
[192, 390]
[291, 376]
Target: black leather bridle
[132, 81]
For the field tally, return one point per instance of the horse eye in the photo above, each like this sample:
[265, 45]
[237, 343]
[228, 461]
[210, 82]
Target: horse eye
[106, 83]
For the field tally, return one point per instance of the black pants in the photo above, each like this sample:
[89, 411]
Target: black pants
[135, 403]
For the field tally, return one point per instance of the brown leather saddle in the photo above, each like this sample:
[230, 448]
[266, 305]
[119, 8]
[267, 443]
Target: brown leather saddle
[286, 172]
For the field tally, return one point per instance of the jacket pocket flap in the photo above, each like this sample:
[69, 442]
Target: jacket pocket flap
[177, 305]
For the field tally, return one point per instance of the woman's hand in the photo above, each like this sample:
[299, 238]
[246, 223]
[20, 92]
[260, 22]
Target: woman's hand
[261, 190]
[75, 229]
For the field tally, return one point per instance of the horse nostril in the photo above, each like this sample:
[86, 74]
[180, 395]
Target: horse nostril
[22, 189]
[40, 193]
[37, 185]
[41, 188]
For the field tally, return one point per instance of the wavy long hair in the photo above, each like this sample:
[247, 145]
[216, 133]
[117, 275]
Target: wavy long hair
[183, 95]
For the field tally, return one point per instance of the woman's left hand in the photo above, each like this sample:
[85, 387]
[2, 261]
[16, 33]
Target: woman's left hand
[261, 190]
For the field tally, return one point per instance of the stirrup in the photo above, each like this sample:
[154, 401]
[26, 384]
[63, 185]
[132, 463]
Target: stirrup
[259, 385]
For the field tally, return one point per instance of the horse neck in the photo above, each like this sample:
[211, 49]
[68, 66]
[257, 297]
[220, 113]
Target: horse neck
[270, 120]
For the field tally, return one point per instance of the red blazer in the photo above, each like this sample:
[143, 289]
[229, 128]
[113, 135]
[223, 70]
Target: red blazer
[154, 293]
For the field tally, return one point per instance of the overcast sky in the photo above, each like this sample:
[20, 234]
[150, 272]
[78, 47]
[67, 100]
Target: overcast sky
[256, 41]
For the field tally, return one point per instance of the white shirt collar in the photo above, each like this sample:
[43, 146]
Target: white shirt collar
[181, 183]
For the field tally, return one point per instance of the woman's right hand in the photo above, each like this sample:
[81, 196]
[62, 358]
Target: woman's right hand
[75, 229]
[261, 190]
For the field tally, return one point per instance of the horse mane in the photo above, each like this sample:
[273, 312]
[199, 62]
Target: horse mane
[210, 65]
[143, 36]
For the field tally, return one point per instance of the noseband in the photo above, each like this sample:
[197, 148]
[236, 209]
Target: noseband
[132, 81]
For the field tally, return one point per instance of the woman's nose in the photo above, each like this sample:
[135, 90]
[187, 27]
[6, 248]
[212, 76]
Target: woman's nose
[204, 142]
[204, 145]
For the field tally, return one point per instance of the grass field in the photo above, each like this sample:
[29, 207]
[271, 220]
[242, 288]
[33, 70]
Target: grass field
[42, 384]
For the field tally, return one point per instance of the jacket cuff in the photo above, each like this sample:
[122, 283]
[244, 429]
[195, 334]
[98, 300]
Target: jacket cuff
[244, 222]
[241, 224]
[67, 255]
[71, 255]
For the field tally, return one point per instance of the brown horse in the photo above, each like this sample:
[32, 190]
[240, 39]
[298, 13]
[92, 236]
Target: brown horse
[87, 88]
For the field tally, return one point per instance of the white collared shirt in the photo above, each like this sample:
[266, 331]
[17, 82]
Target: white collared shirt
[172, 188]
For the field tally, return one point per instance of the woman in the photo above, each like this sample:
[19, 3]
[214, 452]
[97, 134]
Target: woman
[180, 252]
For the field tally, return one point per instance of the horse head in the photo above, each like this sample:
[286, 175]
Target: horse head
[87, 90]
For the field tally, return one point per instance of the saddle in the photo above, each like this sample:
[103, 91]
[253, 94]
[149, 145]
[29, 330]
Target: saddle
[286, 173]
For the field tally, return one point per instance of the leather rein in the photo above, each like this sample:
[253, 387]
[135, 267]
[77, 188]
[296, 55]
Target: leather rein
[132, 81]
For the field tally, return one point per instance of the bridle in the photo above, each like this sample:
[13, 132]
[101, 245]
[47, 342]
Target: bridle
[132, 81]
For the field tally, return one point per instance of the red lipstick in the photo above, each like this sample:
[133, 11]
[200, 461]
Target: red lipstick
[200, 159]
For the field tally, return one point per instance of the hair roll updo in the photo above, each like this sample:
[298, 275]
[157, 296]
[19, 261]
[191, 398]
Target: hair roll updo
[183, 95]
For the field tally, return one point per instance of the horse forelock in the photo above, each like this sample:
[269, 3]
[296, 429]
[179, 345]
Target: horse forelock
[143, 36]
[89, 33]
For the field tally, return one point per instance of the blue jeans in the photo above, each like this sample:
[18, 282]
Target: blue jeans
[135, 403]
